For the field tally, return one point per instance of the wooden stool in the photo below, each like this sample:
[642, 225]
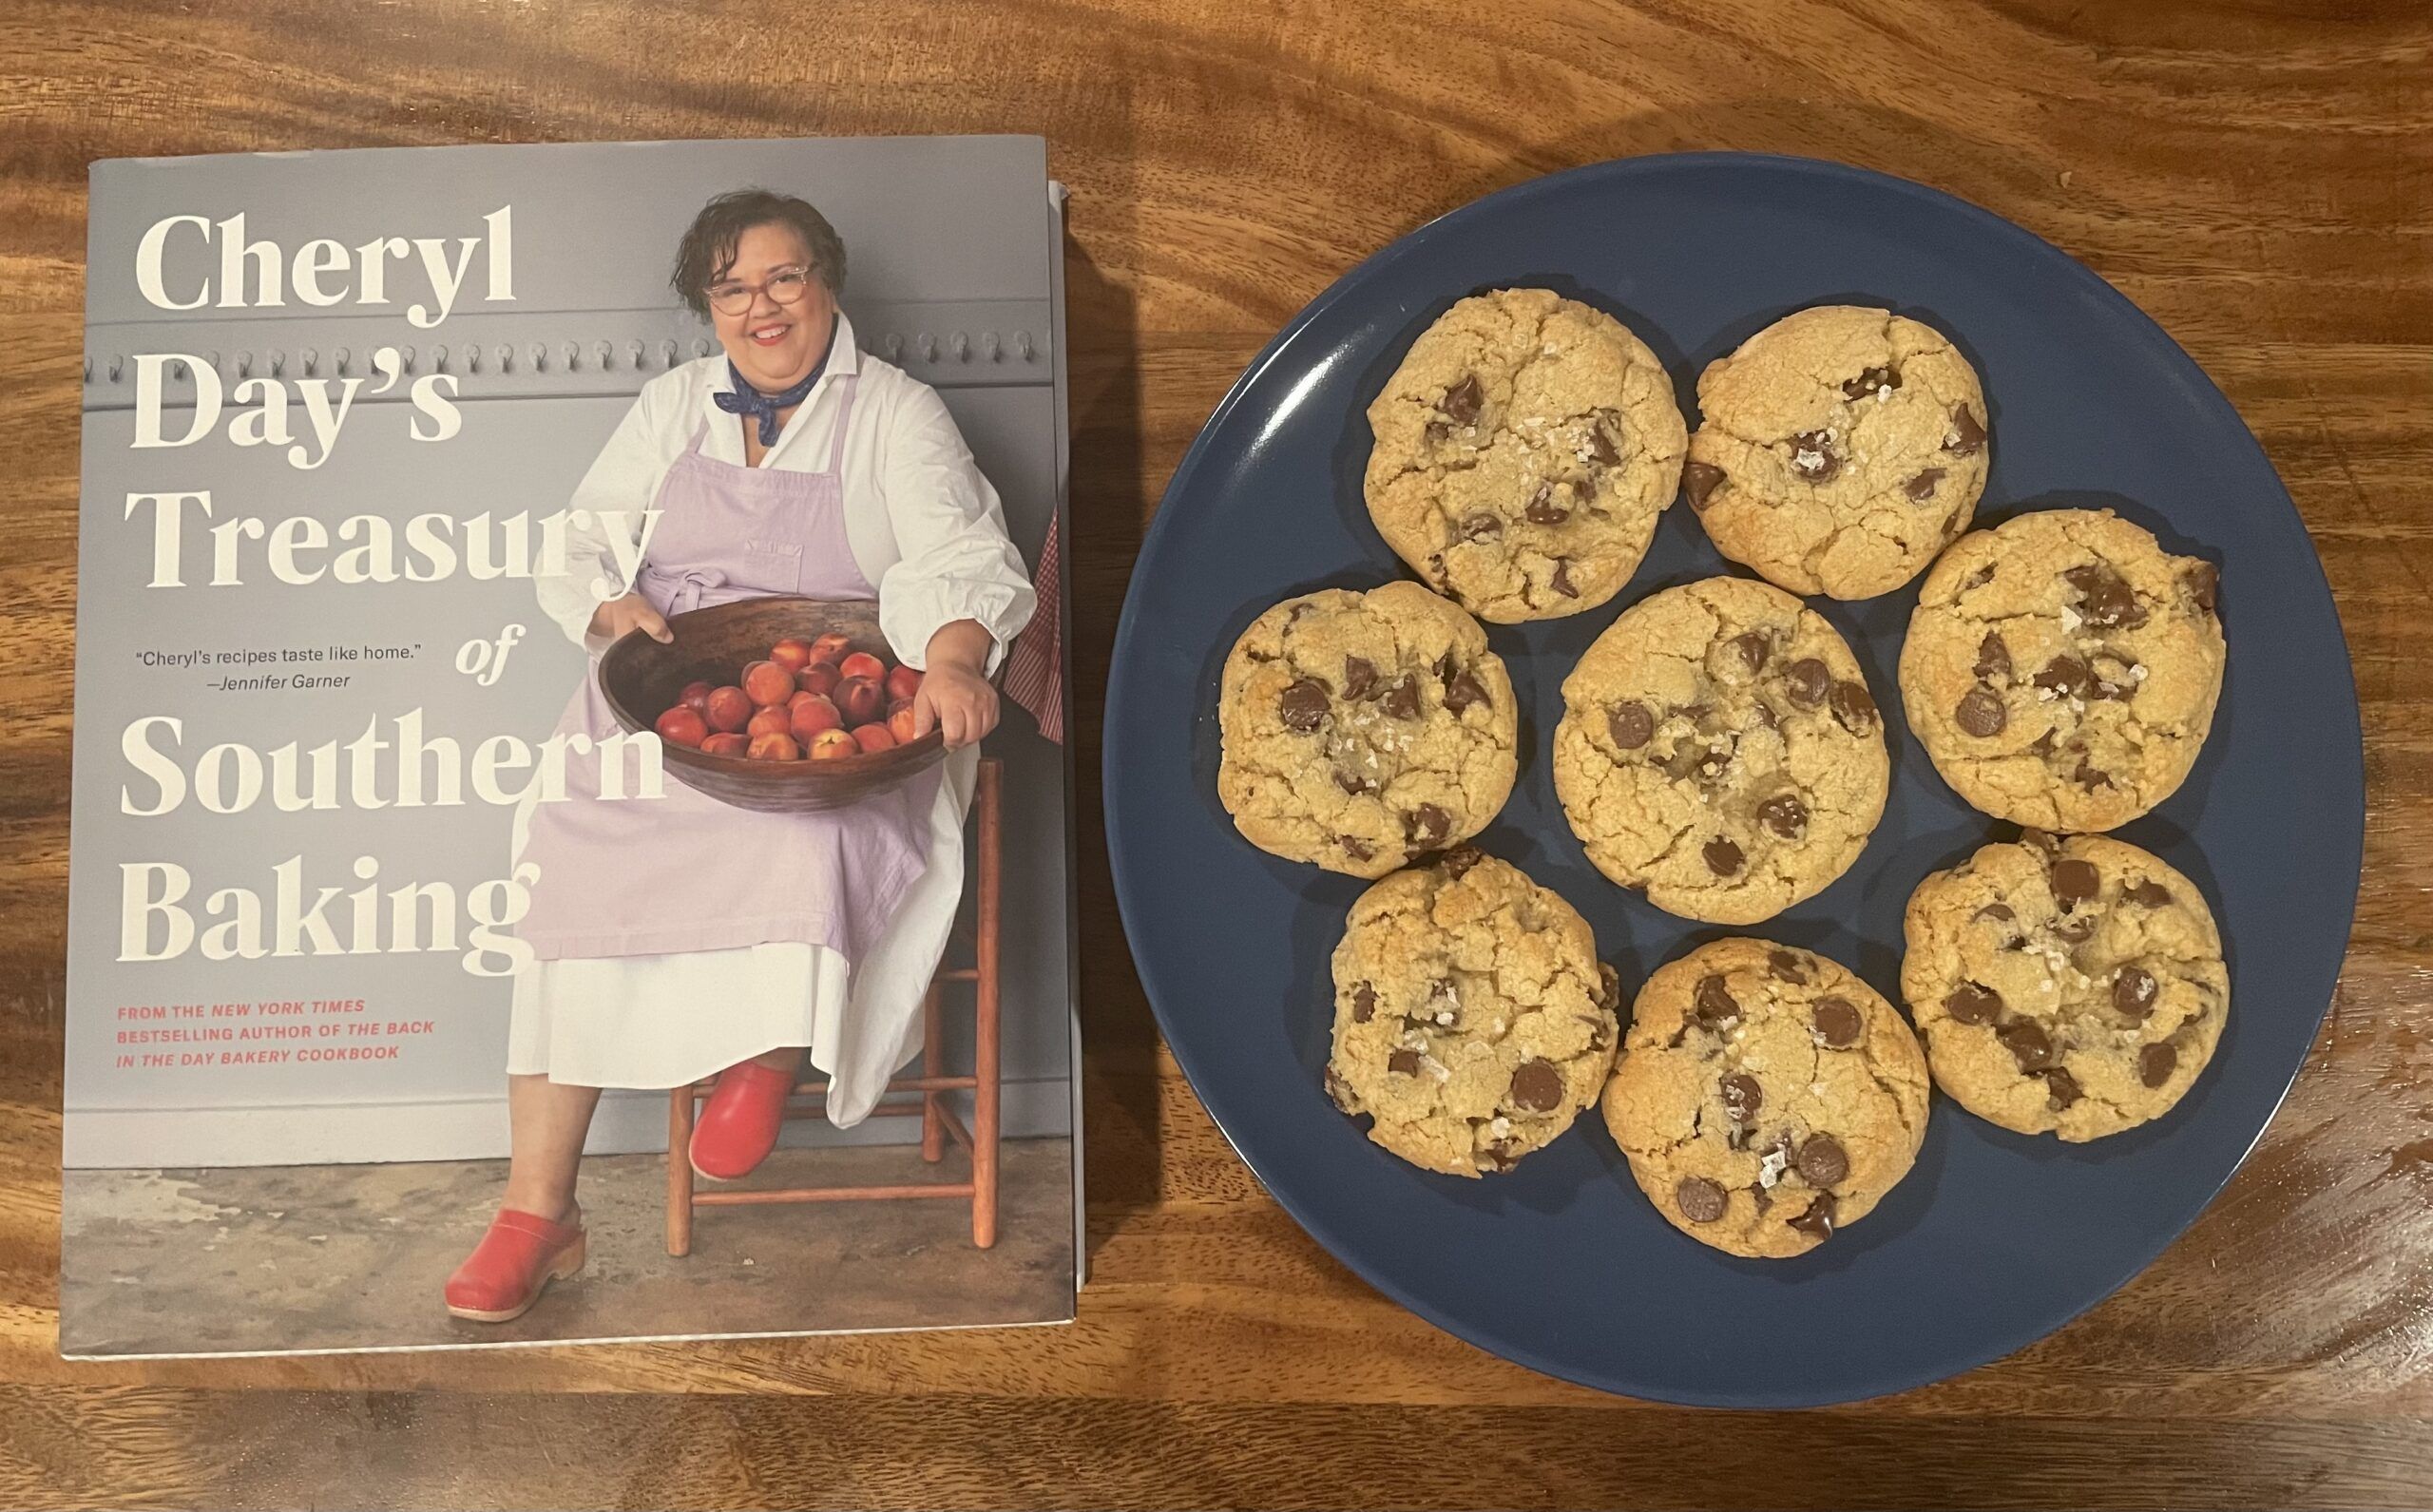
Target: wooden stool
[938, 1120]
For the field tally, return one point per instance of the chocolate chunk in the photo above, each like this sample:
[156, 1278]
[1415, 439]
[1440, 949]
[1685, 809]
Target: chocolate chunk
[2091, 777]
[1714, 1003]
[2155, 1064]
[1993, 656]
[2106, 598]
[2134, 991]
[1818, 1219]
[1352, 782]
[1786, 966]
[1500, 1154]
[1723, 858]
[1979, 577]
[1537, 1086]
[1400, 698]
[1699, 481]
[2028, 1045]
[1339, 1092]
[2076, 931]
[1456, 863]
[1601, 446]
[1812, 456]
[1922, 487]
[1355, 847]
[1542, 509]
[2204, 582]
[1404, 1061]
[1436, 571]
[1742, 1096]
[1583, 489]
[2104, 686]
[1854, 707]
[1480, 527]
[2147, 894]
[1359, 677]
[1699, 1199]
[1753, 648]
[2061, 1088]
[1785, 815]
[1364, 1002]
[1461, 402]
[2001, 912]
[1427, 825]
[1631, 726]
[1764, 714]
[1807, 681]
[2041, 745]
[2075, 881]
[1822, 1160]
[1966, 434]
[1462, 690]
[2066, 676]
[1561, 582]
[1609, 987]
[1302, 707]
[1981, 713]
[1837, 1023]
[1867, 382]
[1438, 431]
[1972, 1003]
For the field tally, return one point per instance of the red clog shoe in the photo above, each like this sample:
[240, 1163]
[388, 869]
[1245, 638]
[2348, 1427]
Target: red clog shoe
[520, 1253]
[739, 1122]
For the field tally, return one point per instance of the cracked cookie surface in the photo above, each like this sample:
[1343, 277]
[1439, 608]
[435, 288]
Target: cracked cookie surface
[1362, 729]
[2073, 987]
[1472, 1018]
[1523, 449]
[2062, 669]
[1765, 1097]
[1838, 450]
[1719, 749]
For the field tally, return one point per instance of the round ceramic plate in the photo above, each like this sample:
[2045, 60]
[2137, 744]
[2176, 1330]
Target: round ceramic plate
[1994, 1239]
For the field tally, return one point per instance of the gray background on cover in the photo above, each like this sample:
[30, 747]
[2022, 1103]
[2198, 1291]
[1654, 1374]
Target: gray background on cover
[945, 239]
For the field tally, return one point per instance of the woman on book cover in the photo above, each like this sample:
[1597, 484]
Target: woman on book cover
[680, 937]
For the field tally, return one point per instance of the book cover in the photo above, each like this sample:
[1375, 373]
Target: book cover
[571, 834]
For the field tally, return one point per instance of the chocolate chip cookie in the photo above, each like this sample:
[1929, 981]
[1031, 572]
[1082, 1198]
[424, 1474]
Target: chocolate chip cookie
[2075, 986]
[1838, 451]
[1472, 1018]
[1720, 750]
[2061, 670]
[1363, 729]
[1765, 1097]
[1524, 450]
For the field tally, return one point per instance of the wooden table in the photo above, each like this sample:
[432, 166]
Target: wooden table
[2262, 183]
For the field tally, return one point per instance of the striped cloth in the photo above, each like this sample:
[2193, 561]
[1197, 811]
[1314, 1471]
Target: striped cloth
[1035, 665]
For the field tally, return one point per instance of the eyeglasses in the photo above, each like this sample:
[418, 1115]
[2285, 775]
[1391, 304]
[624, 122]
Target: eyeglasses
[734, 297]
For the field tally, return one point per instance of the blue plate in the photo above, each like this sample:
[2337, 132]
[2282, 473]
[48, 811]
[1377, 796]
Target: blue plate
[1994, 1239]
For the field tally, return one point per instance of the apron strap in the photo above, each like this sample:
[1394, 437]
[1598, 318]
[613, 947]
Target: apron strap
[700, 433]
[844, 419]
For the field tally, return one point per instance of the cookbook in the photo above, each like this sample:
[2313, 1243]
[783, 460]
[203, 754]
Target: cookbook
[571, 828]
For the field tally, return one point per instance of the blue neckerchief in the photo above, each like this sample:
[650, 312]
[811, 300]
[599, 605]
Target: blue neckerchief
[749, 400]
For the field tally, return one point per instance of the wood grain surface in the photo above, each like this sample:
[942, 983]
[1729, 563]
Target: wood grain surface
[2258, 177]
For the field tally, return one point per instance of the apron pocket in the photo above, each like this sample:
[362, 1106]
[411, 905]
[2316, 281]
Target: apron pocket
[770, 567]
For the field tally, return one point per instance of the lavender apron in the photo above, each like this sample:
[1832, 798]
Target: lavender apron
[686, 873]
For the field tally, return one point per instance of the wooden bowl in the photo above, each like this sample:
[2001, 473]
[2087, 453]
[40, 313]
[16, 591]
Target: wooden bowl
[641, 677]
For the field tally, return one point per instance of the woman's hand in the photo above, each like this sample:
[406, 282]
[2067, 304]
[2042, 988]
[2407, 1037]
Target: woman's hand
[631, 612]
[955, 696]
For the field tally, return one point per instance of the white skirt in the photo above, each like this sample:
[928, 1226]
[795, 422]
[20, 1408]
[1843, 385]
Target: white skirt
[662, 1020]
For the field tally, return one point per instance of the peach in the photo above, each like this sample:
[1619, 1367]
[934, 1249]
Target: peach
[830, 648]
[770, 721]
[902, 682]
[862, 665]
[681, 726]
[873, 738]
[775, 746]
[695, 697]
[765, 683]
[829, 745]
[725, 743]
[790, 654]
[899, 723]
[727, 708]
[812, 715]
[859, 700]
[821, 677]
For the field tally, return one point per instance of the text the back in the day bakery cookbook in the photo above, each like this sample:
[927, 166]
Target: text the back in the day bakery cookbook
[571, 828]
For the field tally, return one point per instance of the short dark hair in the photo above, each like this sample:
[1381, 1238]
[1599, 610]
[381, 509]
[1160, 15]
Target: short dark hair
[707, 250]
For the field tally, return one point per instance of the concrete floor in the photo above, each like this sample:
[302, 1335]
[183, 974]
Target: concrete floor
[353, 1256]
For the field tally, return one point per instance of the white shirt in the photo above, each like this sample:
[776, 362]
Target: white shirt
[924, 526]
